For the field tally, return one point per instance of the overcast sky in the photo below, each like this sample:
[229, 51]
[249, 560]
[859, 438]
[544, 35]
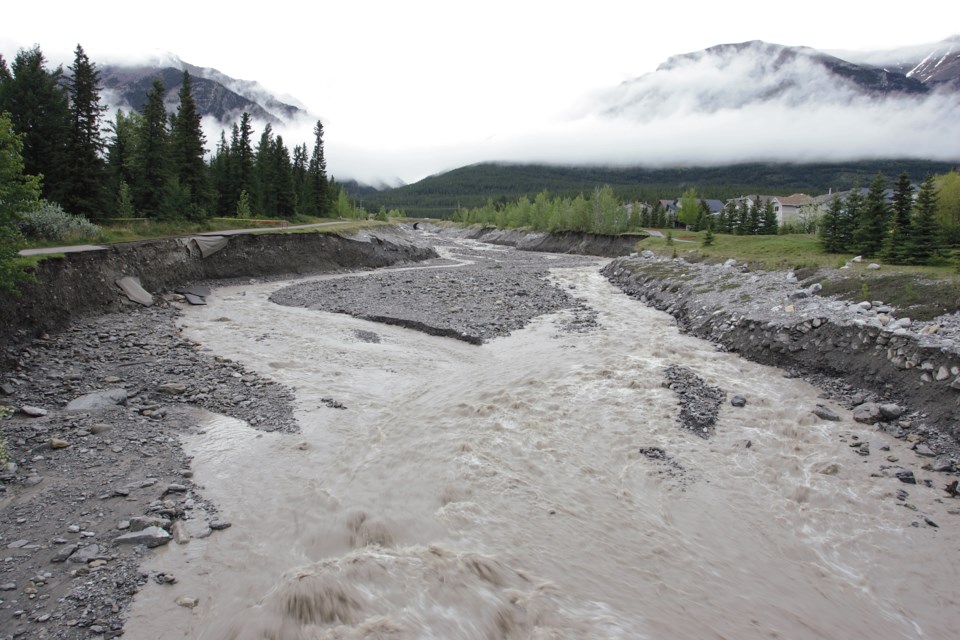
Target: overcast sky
[406, 89]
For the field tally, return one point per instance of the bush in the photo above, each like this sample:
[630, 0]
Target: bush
[51, 222]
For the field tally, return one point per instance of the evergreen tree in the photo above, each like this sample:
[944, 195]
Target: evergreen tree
[242, 167]
[187, 152]
[318, 198]
[221, 170]
[768, 225]
[708, 238]
[830, 228]
[264, 174]
[300, 163]
[121, 151]
[852, 211]
[151, 187]
[753, 218]
[923, 239]
[286, 195]
[84, 171]
[37, 105]
[742, 226]
[897, 247]
[871, 232]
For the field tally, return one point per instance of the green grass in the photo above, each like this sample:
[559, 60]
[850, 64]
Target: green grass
[780, 252]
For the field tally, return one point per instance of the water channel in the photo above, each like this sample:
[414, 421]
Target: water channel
[502, 491]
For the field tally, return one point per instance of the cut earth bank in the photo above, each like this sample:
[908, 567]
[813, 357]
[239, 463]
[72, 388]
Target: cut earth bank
[869, 355]
[82, 479]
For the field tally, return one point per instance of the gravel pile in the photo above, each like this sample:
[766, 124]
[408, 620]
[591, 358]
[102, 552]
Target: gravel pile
[495, 292]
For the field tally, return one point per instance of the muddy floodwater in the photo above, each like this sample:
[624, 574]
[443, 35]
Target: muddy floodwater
[540, 486]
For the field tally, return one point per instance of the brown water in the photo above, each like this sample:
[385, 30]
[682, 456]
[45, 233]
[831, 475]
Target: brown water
[500, 492]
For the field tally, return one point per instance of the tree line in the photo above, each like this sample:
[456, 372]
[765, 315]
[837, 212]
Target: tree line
[150, 163]
[903, 231]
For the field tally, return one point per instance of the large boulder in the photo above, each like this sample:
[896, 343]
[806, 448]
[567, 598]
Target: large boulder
[98, 400]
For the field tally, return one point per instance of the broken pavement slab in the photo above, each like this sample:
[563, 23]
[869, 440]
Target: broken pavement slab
[134, 291]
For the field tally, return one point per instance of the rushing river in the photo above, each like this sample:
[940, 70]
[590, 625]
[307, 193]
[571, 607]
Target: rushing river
[500, 491]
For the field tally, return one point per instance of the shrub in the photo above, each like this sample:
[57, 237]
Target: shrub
[51, 222]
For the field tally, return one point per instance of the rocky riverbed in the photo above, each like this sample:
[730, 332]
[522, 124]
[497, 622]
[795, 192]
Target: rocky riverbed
[97, 478]
[897, 373]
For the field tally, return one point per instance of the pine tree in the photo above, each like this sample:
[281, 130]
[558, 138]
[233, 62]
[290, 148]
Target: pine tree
[300, 163]
[84, 171]
[830, 227]
[897, 247]
[151, 185]
[317, 188]
[220, 172]
[768, 225]
[753, 218]
[871, 232]
[286, 195]
[853, 206]
[187, 152]
[37, 105]
[264, 174]
[243, 171]
[923, 239]
[121, 151]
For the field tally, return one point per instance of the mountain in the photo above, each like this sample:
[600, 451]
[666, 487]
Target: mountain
[936, 64]
[216, 93]
[734, 76]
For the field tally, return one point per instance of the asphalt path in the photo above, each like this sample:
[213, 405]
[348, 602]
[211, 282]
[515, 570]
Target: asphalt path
[77, 248]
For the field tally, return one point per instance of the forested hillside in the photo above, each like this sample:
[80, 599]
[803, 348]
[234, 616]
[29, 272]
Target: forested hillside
[440, 195]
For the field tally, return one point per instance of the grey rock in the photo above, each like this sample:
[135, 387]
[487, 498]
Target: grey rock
[140, 523]
[99, 400]
[867, 413]
[826, 413]
[906, 476]
[943, 464]
[173, 388]
[738, 401]
[33, 481]
[33, 412]
[924, 450]
[890, 411]
[151, 537]
[219, 525]
[8, 586]
[87, 554]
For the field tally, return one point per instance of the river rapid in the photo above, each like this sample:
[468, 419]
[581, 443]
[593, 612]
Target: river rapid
[508, 490]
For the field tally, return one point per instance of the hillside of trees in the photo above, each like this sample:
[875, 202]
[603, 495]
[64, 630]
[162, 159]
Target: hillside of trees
[470, 187]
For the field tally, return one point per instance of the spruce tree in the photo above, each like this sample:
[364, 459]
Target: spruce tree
[317, 188]
[768, 225]
[242, 157]
[300, 163]
[151, 187]
[753, 218]
[187, 152]
[85, 170]
[121, 152]
[37, 105]
[871, 232]
[830, 227]
[923, 239]
[286, 195]
[897, 248]
[853, 206]
[264, 174]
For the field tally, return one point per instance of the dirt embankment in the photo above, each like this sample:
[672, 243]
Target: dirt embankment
[82, 283]
[772, 318]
